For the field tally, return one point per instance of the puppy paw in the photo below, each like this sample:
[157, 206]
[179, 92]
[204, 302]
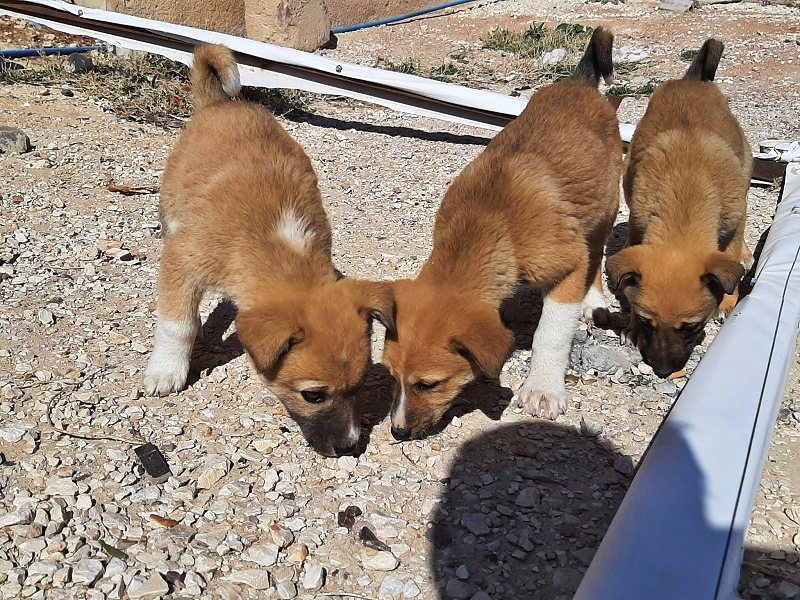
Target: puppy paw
[542, 403]
[165, 375]
[594, 301]
[627, 337]
[726, 306]
[747, 259]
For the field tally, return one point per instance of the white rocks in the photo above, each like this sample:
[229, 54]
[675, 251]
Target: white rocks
[286, 590]
[61, 486]
[280, 535]
[314, 577]
[528, 498]
[22, 516]
[271, 478]
[264, 555]
[151, 589]
[86, 571]
[12, 435]
[254, 578]
[151, 493]
[379, 561]
[43, 567]
[391, 588]
[215, 467]
[193, 584]
[554, 56]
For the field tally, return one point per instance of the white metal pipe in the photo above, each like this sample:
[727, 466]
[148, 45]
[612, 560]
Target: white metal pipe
[679, 532]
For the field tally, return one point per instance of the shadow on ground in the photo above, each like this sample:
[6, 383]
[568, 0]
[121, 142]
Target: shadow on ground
[524, 508]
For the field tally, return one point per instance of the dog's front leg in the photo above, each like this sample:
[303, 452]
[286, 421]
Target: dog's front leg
[543, 392]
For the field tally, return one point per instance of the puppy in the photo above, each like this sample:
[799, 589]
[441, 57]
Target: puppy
[537, 204]
[241, 212]
[686, 185]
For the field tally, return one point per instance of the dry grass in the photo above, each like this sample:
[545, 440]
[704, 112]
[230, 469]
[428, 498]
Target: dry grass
[539, 38]
[140, 87]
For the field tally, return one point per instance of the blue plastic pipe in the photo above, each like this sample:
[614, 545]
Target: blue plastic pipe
[390, 20]
[31, 52]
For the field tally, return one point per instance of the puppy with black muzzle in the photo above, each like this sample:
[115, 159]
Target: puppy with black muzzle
[241, 212]
[686, 184]
[538, 205]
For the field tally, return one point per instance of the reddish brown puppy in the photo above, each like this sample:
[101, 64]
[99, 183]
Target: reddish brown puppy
[686, 185]
[537, 204]
[241, 212]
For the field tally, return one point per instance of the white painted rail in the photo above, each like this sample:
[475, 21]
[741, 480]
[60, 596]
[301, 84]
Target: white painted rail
[679, 532]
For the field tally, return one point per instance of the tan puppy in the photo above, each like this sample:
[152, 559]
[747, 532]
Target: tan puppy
[241, 212]
[537, 204]
[686, 185]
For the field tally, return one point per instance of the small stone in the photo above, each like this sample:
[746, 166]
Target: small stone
[476, 523]
[590, 428]
[87, 571]
[528, 498]
[61, 486]
[601, 358]
[458, 590]
[254, 578]
[193, 584]
[411, 589]
[153, 588]
[786, 589]
[286, 590]
[379, 561]
[480, 596]
[22, 516]
[297, 554]
[314, 577]
[554, 56]
[391, 588]
[12, 435]
[45, 316]
[281, 536]
[215, 468]
[79, 63]
[462, 572]
[567, 579]
[624, 464]
[264, 555]
[13, 141]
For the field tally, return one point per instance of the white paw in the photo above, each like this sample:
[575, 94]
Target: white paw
[542, 403]
[165, 374]
[594, 299]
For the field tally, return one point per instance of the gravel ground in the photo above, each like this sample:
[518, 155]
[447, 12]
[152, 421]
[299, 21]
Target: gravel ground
[496, 505]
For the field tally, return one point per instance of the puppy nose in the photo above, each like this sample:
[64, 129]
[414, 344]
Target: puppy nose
[400, 434]
[347, 448]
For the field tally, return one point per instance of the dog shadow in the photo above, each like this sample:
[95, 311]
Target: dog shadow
[375, 399]
[211, 350]
[550, 494]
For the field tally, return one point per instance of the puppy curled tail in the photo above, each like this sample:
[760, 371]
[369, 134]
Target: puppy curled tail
[704, 66]
[215, 76]
[597, 61]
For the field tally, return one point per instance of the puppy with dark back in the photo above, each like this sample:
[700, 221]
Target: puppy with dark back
[686, 185]
[537, 204]
[241, 212]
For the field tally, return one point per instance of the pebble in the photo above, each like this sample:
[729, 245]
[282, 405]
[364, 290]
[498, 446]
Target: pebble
[60, 486]
[254, 578]
[462, 572]
[18, 517]
[12, 435]
[476, 523]
[529, 497]
[151, 589]
[314, 577]
[265, 555]
[392, 588]
[286, 590]
[379, 561]
[13, 141]
[87, 571]
[459, 590]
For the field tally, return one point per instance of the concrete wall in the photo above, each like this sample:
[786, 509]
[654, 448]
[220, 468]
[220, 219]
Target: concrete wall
[350, 12]
[301, 24]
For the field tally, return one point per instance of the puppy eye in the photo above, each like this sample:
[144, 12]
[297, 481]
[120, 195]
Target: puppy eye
[425, 386]
[314, 396]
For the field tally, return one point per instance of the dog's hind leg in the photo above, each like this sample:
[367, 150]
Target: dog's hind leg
[543, 392]
[176, 328]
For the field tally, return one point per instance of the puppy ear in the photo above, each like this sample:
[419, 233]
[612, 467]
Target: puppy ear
[486, 342]
[722, 274]
[623, 268]
[267, 335]
[375, 300]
